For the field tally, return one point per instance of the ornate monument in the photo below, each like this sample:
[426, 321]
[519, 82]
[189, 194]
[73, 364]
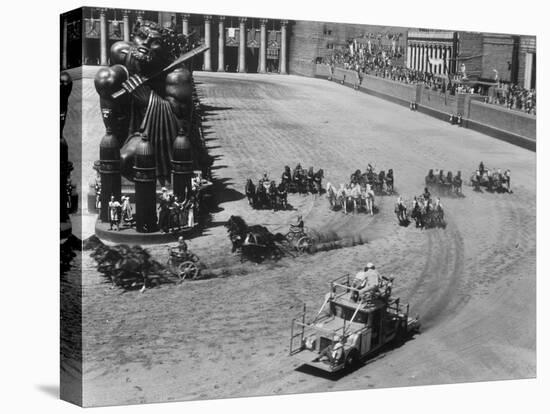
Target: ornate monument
[146, 98]
[146, 89]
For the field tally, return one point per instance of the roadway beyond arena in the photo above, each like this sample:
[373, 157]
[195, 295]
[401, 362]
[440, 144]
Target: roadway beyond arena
[473, 283]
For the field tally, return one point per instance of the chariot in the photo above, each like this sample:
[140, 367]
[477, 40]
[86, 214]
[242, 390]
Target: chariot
[183, 264]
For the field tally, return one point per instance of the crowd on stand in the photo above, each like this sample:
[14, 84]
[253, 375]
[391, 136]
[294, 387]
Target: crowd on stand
[379, 61]
[514, 97]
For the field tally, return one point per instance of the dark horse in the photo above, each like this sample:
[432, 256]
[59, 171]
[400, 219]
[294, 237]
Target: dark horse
[250, 191]
[256, 242]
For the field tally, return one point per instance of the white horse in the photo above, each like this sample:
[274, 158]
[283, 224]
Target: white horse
[369, 199]
[355, 196]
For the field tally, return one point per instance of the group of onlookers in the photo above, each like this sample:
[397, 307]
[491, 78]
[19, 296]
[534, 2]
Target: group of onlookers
[379, 63]
[514, 97]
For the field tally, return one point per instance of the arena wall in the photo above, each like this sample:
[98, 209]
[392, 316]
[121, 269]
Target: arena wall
[513, 126]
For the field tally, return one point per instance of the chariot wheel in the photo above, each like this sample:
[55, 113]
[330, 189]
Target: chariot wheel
[304, 244]
[188, 270]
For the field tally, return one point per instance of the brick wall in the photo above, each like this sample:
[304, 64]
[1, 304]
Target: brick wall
[308, 40]
[470, 52]
[514, 122]
[498, 53]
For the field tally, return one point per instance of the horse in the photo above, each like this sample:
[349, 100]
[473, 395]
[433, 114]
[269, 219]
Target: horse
[317, 181]
[272, 194]
[282, 195]
[332, 196]
[416, 213]
[355, 195]
[250, 191]
[369, 198]
[125, 266]
[261, 195]
[286, 177]
[401, 211]
[389, 181]
[255, 242]
[457, 184]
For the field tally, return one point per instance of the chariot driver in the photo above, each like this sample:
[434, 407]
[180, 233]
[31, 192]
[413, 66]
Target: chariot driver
[182, 246]
[481, 168]
[159, 106]
[264, 179]
[299, 226]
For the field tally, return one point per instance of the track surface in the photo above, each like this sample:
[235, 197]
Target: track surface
[473, 283]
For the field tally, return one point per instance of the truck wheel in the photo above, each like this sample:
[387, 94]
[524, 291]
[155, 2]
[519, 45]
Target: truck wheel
[352, 360]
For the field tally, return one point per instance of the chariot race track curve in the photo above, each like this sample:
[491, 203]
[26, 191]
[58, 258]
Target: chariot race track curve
[472, 283]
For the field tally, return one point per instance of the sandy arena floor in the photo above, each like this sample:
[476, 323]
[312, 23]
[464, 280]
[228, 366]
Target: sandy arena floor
[473, 283]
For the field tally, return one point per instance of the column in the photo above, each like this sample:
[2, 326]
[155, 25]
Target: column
[421, 63]
[185, 24]
[221, 44]
[415, 66]
[263, 46]
[242, 45]
[103, 35]
[64, 50]
[126, 23]
[283, 47]
[430, 56]
[528, 70]
[409, 56]
[447, 62]
[208, 43]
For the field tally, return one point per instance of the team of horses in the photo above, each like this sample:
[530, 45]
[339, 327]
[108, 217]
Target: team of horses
[444, 184]
[256, 242]
[492, 180]
[266, 194]
[350, 198]
[303, 181]
[380, 182]
[423, 210]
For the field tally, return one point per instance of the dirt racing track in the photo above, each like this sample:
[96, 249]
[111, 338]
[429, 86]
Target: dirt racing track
[472, 283]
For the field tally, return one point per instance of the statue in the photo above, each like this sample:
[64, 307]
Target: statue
[156, 101]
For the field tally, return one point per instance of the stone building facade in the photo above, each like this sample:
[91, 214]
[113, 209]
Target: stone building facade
[257, 45]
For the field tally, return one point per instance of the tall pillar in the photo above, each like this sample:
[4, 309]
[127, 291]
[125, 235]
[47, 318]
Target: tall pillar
[208, 43]
[103, 35]
[415, 57]
[430, 55]
[421, 63]
[185, 24]
[221, 44]
[447, 56]
[145, 186]
[408, 56]
[242, 45]
[64, 50]
[263, 46]
[126, 23]
[283, 47]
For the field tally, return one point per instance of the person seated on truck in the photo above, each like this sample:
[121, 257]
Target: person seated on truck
[333, 353]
